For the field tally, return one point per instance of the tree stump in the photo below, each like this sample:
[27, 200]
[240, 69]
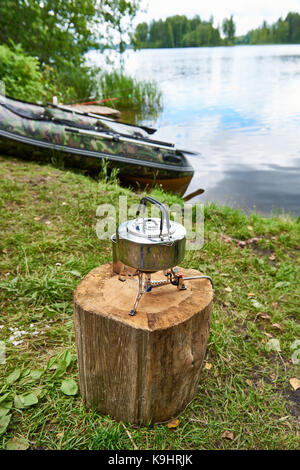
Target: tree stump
[143, 368]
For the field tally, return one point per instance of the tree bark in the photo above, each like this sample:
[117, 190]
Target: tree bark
[143, 368]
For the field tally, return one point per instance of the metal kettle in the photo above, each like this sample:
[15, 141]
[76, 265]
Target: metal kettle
[150, 244]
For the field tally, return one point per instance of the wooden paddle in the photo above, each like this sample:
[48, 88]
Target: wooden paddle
[195, 193]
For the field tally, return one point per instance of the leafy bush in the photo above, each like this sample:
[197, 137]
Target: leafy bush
[69, 83]
[24, 79]
[20, 74]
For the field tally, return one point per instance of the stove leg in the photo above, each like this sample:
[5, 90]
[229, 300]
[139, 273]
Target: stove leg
[138, 295]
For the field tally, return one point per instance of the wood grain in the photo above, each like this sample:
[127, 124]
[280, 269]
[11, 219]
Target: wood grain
[144, 368]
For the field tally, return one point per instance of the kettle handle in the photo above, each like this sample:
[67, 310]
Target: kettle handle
[163, 212]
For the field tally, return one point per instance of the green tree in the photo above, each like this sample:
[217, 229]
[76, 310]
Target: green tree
[280, 32]
[54, 31]
[293, 19]
[228, 28]
[118, 16]
[204, 35]
[169, 35]
[194, 22]
[180, 26]
[156, 33]
[62, 31]
[179, 31]
[141, 33]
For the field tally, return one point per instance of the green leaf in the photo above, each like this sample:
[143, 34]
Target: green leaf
[295, 344]
[282, 284]
[13, 376]
[296, 357]
[30, 399]
[3, 398]
[5, 407]
[75, 273]
[51, 363]
[69, 387]
[24, 401]
[67, 357]
[19, 402]
[36, 374]
[17, 443]
[256, 304]
[25, 372]
[273, 345]
[61, 369]
[4, 422]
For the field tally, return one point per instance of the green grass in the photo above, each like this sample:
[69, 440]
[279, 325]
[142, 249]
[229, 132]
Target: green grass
[48, 243]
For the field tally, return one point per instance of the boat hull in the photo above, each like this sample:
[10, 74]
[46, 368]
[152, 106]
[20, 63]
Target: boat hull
[133, 174]
[41, 133]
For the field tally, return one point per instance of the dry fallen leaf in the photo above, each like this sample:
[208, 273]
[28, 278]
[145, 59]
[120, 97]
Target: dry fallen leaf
[272, 257]
[269, 335]
[173, 423]
[295, 383]
[276, 325]
[251, 294]
[275, 304]
[249, 382]
[263, 316]
[228, 289]
[284, 418]
[228, 435]
[37, 218]
[207, 366]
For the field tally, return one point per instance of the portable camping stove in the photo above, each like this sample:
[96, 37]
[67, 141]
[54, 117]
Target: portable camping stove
[149, 245]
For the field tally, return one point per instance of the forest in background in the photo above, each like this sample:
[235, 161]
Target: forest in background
[43, 46]
[179, 31]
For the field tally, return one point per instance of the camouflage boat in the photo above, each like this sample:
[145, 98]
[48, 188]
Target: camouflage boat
[82, 140]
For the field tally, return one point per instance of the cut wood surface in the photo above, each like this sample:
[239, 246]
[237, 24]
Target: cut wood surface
[145, 367]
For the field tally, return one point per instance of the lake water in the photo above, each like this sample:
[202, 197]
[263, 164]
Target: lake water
[240, 108]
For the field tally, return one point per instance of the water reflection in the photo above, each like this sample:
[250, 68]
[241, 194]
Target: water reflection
[240, 108]
[243, 187]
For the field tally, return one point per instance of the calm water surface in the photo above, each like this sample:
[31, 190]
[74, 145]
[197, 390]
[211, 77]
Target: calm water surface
[240, 108]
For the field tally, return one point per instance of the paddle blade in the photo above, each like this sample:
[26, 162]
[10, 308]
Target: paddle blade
[194, 194]
[189, 152]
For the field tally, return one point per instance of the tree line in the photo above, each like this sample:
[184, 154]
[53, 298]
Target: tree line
[285, 31]
[179, 31]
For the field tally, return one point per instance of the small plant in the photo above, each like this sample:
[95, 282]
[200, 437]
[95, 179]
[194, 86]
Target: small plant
[68, 82]
[106, 174]
[109, 438]
[131, 93]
